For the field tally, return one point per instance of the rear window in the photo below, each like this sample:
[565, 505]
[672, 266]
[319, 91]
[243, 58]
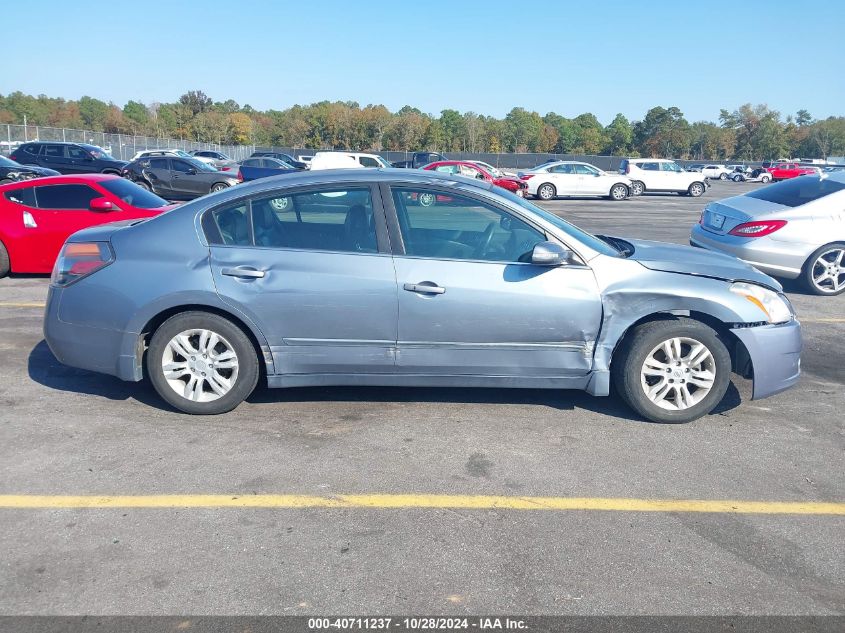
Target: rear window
[798, 191]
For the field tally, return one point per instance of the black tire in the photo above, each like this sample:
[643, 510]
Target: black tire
[628, 363]
[619, 191]
[737, 178]
[546, 191]
[723, 176]
[111, 172]
[218, 186]
[233, 338]
[637, 188]
[6, 181]
[765, 179]
[143, 184]
[696, 189]
[5, 264]
[808, 271]
[426, 199]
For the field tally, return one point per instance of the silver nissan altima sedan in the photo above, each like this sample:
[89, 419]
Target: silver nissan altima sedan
[343, 277]
[792, 229]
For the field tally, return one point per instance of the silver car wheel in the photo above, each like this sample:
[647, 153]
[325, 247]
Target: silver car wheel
[427, 199]
[678, 373]
[200, 365]
[637, 188]
[619, 192]
[279, 204]
[829, 271]
[546, 192]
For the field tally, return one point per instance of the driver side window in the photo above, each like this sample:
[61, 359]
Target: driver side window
[442, 226]
[181, 166]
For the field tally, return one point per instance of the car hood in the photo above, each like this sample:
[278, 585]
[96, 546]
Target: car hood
[686, 260]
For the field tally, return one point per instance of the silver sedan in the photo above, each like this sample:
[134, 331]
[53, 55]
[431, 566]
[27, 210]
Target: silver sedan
[792, 229]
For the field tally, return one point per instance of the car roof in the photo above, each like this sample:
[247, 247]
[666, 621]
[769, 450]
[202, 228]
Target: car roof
[78, 179]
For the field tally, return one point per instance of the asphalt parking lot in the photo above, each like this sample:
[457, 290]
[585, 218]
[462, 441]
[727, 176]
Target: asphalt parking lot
[72, 433]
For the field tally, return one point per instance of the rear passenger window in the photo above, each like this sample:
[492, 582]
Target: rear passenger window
[65, 197]
[650, 166]
[22, 196]
[332, 220]
[54, 151]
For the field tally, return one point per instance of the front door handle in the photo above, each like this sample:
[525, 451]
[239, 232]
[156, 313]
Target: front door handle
[425, 287]
[243, 272]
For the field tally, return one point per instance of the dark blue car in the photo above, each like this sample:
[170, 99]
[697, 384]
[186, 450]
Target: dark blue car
[68, 158]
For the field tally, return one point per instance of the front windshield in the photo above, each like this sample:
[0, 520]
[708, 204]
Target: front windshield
[132, 194]
[8, 162]
[490, 169]
[383, 162]
[588, 239]
[100, 154]
[199, 165]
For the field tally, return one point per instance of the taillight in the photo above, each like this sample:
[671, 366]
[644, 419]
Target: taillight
[240, 176]
[627, 169]
[526, 176]
[225, 169]
[757, 229]
[80, 259]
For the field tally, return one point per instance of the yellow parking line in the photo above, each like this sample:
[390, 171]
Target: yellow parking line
[420, 501]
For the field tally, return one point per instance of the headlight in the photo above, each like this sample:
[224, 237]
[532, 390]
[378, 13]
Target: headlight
[774, 306]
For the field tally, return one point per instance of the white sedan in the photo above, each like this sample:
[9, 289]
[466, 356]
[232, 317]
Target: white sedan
[716, 172]
[569, 178]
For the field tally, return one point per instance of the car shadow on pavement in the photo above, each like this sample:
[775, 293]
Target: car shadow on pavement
[45, 369]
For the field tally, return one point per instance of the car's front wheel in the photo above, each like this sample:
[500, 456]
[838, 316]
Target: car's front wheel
[765, 179]
[143, 184]
[696, 189]
[618, 192]
[824, 272]
[6, 181]
[672, 371]
[737, 178]
[723, 176]
[219, 186]
[202, 363]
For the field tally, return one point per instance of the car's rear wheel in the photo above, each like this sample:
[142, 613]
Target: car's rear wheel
[723, 176]
[546, 191]
[737, 178]
[202, 363]
[637, 188]
[672, 371]
[765, 179]
[219, 186]
[696, 189]
[6, 181]
[824, 272]
[5, 264]
[619, 192]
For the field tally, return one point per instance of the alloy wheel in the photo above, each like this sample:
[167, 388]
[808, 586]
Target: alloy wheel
[829, 271]
[200, 365]
[678, 373]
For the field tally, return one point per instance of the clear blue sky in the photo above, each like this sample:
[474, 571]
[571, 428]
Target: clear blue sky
[569, 57]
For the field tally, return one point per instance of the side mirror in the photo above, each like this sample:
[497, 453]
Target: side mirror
[550, 254]
[191, 172]
[480, 176]
[101, 205]
[88, 158]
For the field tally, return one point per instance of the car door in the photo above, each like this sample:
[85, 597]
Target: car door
[564, 178]
[590, 182]
[186, 180]
[80, 161]
[651, 175]
[156, 171]
[470, 304]
[59, 211]
[673, 177]
[55, 157]
[312, 268]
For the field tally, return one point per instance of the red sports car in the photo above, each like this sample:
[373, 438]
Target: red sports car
[37, 216]
[782, 171]
[474, 170]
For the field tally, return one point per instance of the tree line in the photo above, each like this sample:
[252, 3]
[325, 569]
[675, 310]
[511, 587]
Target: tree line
[750, 132]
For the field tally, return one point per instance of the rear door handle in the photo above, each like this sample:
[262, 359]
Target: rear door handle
[426, 287]
[244, 272]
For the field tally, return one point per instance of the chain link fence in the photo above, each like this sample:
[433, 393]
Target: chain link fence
[121, 146]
